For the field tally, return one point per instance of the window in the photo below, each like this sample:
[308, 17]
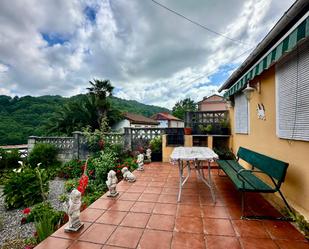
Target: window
[292, 95]
[241, 114]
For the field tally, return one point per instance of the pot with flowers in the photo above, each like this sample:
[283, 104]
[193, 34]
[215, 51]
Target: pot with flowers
[156, 149]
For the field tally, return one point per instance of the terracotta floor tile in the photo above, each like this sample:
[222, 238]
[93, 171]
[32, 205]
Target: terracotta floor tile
[292, 244]
[129, 196]
[112, 217]
[215, 212]
[153, 239]
[167, 199]
[189, 210]
[250, 228]
[135, 220]
[111, 247]
[136, 189]
[161, 222]
[85, 245]
[143, 207]
[282, 230]
[102, 203]
[218, 227]
[189, 224]
[125, 237]
[123, 187]
[170, 191]
[141, 183]
[222, 242]
[91, 214]
[252, 243]
[156, 184]
[188, 241]
[153, 190]
[148, 197]
[97, 233]
[64, 235]
[52, 243]
[169, 209]
[122, 205]
[190, 199]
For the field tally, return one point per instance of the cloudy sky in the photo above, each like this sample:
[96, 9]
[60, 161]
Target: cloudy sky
[148, 53]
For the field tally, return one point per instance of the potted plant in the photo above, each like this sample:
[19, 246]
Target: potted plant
[188, 131]
[206, 129]
[156, 149]
[225, 126]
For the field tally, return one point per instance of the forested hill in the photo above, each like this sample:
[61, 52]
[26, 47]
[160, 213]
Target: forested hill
[25, 116]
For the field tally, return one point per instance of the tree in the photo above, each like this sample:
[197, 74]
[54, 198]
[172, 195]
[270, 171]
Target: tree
[183, 106]
[101, 89]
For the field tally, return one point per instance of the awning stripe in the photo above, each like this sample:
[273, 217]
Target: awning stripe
[299, 33]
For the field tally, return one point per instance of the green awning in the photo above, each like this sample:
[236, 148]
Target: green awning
[299, 33]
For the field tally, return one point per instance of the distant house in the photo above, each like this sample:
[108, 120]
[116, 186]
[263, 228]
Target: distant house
[212, 103]
[136, 121]
[167, 120]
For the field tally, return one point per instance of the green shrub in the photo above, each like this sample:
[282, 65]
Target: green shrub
[156, 144]
[130, 163]
[1, 222]
[44, 227]
[103, 164]
[70, 184]
[46, 154]
[9, 159]
[45, 209]
[25, 188]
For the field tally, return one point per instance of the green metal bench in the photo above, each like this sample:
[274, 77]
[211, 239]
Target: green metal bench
[246, 180]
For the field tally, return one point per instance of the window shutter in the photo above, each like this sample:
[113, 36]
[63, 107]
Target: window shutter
[292, 91]
[241, 114]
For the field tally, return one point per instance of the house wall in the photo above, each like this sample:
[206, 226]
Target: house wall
[262, 138]
[163, 123]
[176, 124]
[120, 125]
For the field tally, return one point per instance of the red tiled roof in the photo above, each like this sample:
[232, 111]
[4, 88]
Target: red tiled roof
[139, 119]
[164, 116]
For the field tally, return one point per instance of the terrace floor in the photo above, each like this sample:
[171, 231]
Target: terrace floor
[147, 215]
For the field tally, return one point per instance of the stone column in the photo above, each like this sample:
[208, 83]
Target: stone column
[76, 136]
[31, 143]
[127, 139]
[210, 141]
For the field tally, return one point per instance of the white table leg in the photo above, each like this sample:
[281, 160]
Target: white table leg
[182, 180]
[207, 183]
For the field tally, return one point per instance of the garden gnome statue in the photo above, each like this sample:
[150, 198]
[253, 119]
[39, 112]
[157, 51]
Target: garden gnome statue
[74, 212]
[112, 183]
[140, 161]
[127, 175]
[148, 155]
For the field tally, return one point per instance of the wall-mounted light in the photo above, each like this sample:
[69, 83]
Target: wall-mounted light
[250, 89]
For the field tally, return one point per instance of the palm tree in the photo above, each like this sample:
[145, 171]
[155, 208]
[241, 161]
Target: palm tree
[101, 89]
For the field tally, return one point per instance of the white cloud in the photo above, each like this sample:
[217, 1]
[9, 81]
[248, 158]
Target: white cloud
[149, 54]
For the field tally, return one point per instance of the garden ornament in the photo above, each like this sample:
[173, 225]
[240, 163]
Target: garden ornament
[140, 161]
[112, 183]
[148, 155]
[127, 175]
[73, 210]
[261, 112]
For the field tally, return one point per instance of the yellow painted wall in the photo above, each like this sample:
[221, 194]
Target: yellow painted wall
[262, 138]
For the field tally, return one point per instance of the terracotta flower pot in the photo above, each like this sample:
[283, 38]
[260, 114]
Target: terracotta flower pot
[188, 131]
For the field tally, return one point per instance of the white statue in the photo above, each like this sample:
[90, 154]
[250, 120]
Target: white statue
[112, 183]
[73, 210]
[148, 155]
[127, 175]
[140, 161]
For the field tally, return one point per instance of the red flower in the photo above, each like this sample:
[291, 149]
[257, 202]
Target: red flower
[23, 220]
[83, 182]
[35, 234]
[26, 211]
[118, 171]
[91, 172]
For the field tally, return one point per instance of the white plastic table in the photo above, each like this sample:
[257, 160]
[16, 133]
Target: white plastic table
[195, 154]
